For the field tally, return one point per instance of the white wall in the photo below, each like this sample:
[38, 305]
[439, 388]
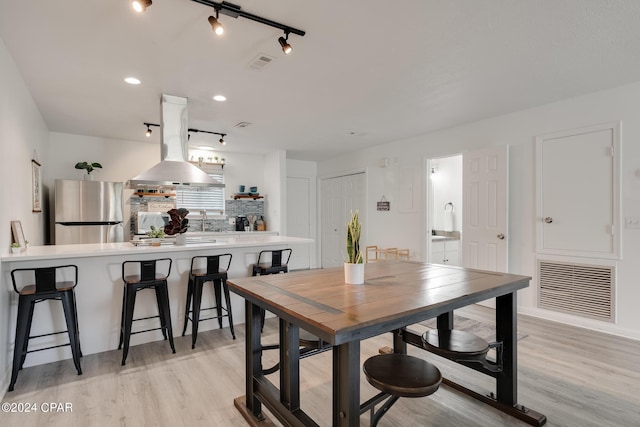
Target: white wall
[23, 135]
[275, 183]
[517, 130]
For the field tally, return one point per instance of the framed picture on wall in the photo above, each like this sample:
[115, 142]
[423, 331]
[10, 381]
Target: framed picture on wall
[36, 180]
[18, 234]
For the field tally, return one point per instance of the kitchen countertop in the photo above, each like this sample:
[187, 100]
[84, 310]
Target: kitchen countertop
[443, 238]
[50, 252]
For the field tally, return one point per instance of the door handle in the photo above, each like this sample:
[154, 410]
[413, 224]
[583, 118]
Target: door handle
[500, 236]
[548, 220]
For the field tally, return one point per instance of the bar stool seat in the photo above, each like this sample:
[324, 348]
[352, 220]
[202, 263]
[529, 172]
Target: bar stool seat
[398, 375]
[197, 278]
[455, 344]
[145, 276]
[45, 288]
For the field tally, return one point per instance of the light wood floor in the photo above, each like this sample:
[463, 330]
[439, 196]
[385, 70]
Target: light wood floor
[573, 376]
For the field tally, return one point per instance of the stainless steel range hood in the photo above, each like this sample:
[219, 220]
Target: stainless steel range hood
[174, 169]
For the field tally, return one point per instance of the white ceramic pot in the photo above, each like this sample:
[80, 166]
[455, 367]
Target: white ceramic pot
[15, 250]
[353, 273]
[181, 240]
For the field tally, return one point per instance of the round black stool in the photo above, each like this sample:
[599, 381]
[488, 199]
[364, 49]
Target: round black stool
[455, 345]
[212, 272]
[399, 375]
[44, 287]
[146, 275]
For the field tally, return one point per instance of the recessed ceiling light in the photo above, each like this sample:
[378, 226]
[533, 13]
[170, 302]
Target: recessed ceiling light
[205, 148]
[132, 81]
[220, 98]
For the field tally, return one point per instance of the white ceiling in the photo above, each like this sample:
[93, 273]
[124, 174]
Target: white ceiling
[367, 71]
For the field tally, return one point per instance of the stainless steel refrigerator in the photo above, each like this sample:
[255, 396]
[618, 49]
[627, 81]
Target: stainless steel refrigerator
[88, 212]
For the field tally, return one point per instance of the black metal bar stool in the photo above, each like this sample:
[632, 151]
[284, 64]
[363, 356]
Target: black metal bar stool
[398, 375]
[198, 276]
[43, 286]
[277, 264]
[148, 274]
[461, 346]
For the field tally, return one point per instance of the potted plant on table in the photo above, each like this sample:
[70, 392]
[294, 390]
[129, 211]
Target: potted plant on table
[354, 266]
[15, 247]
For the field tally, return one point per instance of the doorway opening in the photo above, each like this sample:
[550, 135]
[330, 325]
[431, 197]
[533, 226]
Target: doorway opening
[445, 210]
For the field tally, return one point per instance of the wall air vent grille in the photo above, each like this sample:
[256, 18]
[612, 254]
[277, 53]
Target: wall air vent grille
[583, 290]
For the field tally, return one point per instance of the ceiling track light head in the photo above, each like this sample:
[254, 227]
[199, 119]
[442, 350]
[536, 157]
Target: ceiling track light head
[216, 26]
[148, 125]
[222, 141]
[284, 44]
[140, 5]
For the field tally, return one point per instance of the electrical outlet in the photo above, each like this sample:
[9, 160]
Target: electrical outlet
[632, 222]
[232, 221]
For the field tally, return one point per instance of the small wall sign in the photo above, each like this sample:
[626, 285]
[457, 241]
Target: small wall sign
[383, 204]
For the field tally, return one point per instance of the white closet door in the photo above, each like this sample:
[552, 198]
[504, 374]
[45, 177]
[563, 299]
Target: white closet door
[577, 187]
[339, 197]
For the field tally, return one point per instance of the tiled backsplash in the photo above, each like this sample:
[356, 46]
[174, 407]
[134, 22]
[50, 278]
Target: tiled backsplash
[233, 208]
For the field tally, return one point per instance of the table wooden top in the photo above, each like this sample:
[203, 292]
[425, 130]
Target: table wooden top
[395, 294]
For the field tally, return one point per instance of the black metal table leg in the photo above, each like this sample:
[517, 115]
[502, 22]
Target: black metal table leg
[253, 357]
[506, 327]
[346, 384]
[289, 365]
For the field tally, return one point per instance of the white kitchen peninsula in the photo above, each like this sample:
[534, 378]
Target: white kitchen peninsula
[99, 290]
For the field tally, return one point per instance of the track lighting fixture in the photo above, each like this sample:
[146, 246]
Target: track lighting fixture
[286, 47]
[234, 11]
[148, 125]
[140, 5]
[222, 135]
[216, 26]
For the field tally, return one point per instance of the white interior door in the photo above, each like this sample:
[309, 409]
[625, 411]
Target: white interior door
[339, 197]
[299, 220]
[485, 203]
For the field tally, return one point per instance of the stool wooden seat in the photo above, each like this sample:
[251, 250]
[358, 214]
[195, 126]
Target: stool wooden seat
[47, 287]
[455, 344]
[215, 271]
[148, 275]
[399, 375]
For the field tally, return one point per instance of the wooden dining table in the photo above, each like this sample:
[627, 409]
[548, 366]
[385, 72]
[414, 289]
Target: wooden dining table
[395, 294]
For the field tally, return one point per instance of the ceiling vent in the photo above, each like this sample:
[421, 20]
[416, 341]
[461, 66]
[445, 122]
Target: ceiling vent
[241, 125]
[261, 61]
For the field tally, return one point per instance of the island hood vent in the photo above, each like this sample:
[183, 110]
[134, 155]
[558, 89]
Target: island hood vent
[174, 169]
